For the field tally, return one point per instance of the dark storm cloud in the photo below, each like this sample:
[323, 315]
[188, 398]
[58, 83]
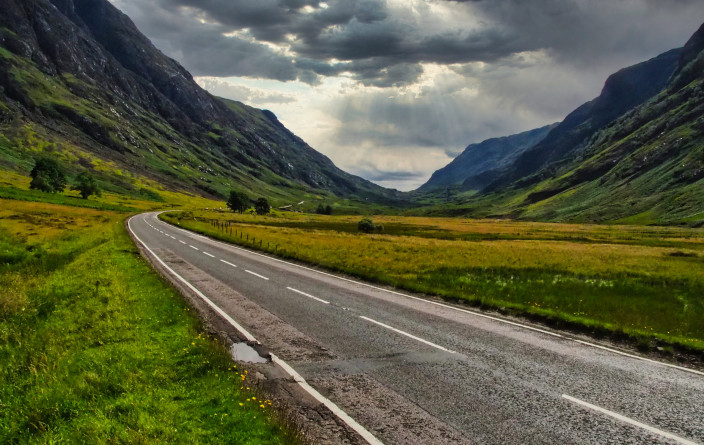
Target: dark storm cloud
[383, 44]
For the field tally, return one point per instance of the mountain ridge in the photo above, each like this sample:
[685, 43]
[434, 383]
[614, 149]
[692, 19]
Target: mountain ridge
[488, 155]
[78, 74]
[622, 91]
[646, 166]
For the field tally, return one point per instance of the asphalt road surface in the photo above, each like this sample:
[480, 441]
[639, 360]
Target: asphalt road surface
[411, 370]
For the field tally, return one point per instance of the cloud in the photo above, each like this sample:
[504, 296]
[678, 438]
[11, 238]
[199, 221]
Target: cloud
[242, 93]
[389, 89]
[384, 42]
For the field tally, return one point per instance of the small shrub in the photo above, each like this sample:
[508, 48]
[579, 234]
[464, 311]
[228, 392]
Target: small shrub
[366, 225]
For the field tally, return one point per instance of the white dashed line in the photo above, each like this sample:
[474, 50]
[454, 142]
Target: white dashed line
[629, 421]
[443, 305]
[228, 263]
[182, 242]
[398, 331]
[369, 437]
[193, 247]
[257, 275]
[307, 295]
[211, 256]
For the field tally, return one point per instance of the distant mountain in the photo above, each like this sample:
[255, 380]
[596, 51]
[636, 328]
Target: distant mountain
[622, 91]
[486, 156]
[78, 80]
[644, 166]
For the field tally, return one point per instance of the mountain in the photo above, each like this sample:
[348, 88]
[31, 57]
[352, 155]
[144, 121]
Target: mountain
[489, 155]
[622, 91]
[645, 165]
[80, 82]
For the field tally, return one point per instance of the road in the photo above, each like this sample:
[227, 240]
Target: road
[411, 370]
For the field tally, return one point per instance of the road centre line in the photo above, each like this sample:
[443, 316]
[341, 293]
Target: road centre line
[308, 295]
[256, 275]
[446, 306]
[193, 247]
[629, 421]
[182, 242]
[337, 411]
[206, 253]
[228, 263]
[398, 331]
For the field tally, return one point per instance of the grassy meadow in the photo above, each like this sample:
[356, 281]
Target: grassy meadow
[644, 282]
[96, 348]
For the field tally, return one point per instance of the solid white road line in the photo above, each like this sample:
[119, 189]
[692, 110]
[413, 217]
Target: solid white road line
[369, 437]
[398, 331]
[435, 303]
[349, 421]
[256, 275]
[630, 421]
[228, 263]
[223, 314]
[206, 253]
[193, 247]
[308, 295]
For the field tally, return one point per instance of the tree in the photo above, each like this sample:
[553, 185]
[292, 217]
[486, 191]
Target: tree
[262, 207]
[238, 201]
[85, 183]
[47, 176]
[323, 210]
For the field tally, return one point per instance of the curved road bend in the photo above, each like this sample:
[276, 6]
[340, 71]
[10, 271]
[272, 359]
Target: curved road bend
[415, 371]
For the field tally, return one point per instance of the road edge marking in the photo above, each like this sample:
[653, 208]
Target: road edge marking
[629, 421]
[336, 410]
[342, 415]
[436, 303]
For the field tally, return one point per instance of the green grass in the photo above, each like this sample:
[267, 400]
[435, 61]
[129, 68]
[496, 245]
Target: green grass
[644, 282]
[95, 348]
[59, 198]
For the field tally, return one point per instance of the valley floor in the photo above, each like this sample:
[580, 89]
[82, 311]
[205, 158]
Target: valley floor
[644, 284]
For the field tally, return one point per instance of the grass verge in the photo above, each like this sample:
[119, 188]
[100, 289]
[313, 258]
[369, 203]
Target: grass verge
[95, 348]
[646, 284]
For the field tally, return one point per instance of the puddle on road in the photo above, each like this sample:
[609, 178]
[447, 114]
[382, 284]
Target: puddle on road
[242, 352]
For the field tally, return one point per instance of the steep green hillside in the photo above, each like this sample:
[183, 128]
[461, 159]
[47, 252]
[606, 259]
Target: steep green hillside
[80, 83]
[645, 167]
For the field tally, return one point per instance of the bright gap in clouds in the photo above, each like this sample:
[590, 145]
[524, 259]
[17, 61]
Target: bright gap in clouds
[397, 137]
[392, 90]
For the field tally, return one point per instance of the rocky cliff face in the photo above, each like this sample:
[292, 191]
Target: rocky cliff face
[80, 72]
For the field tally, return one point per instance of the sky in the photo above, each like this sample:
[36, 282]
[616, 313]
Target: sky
[392, 90]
